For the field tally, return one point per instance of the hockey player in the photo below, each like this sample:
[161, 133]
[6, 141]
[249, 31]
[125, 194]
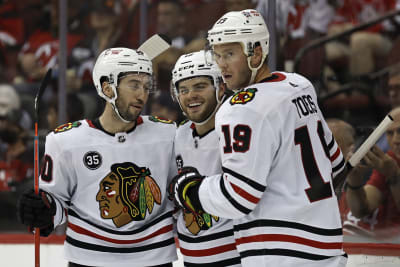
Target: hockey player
[110, 175]
[199, 90]
[279, 158]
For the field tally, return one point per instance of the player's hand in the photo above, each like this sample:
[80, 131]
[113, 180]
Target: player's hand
[37, 211]
[184, 189]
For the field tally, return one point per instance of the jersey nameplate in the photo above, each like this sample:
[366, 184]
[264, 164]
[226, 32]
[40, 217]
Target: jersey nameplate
[66, 127]
[243, 97]
[158, 119]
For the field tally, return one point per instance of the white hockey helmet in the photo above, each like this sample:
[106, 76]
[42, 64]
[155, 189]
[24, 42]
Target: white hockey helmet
[114, 62]
[246, 27]
[193, 65]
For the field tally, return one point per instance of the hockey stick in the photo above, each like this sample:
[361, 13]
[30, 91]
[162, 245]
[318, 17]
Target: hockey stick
[370, 142]
[155, 45]
[39, 94]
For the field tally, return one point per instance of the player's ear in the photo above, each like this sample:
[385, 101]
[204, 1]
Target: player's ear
[107, 89]
[222, 89]
[257, 56]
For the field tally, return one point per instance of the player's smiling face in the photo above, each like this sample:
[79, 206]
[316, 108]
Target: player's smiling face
[108, 196]
[233, 64]
[133, 93]
[197, 98]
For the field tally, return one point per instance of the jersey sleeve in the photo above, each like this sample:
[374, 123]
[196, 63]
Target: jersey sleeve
[56, 177]
[333, 151]
[247, 143]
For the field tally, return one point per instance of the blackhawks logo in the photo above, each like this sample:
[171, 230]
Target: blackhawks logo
[199, 221]
[158, 119]
[243, 97]
[127, 193]
[67, 126]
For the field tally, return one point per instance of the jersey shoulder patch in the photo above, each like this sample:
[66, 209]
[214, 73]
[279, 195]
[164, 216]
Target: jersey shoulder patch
[243, 97]
[183, 122]
[158, 119]
[67, 126]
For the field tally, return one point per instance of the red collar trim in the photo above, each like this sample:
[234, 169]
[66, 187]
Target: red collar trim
[139, 121]
[276, 77]
[90, 123]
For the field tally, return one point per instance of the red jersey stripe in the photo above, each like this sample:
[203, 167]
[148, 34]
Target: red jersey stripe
[335, 155]
[244, 194]
[83, 231]
[290, 239]
[207, 252]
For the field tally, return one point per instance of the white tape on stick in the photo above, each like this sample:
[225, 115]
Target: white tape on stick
[371, 140]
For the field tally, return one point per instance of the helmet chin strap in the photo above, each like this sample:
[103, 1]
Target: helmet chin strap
[254, 70]
[114, 106]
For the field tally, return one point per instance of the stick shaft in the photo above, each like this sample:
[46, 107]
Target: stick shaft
[36, 170]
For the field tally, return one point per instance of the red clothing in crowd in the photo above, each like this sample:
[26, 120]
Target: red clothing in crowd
[361, 11]
[45, 47]
[384, 222]
[14, 171]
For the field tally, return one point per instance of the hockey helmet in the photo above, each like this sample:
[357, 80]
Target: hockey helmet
[246, 27]
[113, 63]
[193, 65]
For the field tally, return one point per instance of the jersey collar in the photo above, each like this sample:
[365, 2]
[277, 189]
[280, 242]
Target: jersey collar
[275, 77]
[195, 134]
[97, 125]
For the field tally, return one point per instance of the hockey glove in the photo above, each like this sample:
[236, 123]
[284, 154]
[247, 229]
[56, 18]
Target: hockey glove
[37, 211]
[184, 189]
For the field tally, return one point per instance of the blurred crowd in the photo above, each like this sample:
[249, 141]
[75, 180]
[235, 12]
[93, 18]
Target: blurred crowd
[356, 74]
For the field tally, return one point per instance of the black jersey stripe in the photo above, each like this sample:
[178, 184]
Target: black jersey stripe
[331, 143]
[100, 248]
[339, 166]
[286, 253]
[234, 203]
[286, 224]
[205, 238]
[165, 216]
[228, 262]
[253, 184]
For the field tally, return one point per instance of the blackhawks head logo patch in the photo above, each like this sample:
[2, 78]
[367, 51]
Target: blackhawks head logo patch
[243, 97]
[199, 221]
[67, 126]
[127, 193]
[158, 119]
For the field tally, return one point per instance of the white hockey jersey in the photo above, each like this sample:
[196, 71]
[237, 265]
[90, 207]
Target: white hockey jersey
[278, 159]
[203, 245]
[113, 188]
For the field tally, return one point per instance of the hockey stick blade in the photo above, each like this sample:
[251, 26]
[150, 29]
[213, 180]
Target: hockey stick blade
[40, 92]
[155, 45]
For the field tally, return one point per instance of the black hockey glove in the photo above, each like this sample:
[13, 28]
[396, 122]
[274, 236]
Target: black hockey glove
[184, 189]
[37, 211]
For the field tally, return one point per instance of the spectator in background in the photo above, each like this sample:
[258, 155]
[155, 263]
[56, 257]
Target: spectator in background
[162, 106]
[105, 31]
[170, 22]
[377, 203]
[364, 47]
[10, 100]
[16, 165]
[40, 51]
[344, 135]
[237, 5]
[75, 111]
[299, 22]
